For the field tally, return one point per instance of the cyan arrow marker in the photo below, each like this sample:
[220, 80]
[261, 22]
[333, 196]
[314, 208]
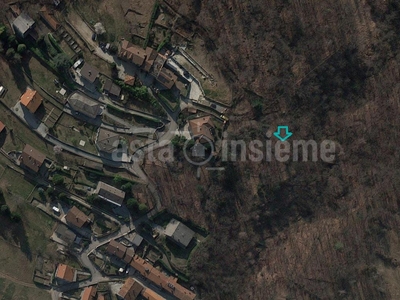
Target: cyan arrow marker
[287, 135]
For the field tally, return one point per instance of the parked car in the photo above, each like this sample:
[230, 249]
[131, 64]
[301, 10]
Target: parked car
[213, 106]
[56, 209]
[2, 90]
[56, 82]
[94, 37]
[224, 118]
[78, 63]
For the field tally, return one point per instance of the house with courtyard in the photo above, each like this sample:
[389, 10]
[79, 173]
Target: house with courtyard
[131, 53]
[65, 274]
[23, 25]
[76, 218]
[149, 61]
[130, 290]
[202, 129]
[161, 74]
[117, 249]
[32, 159]
[151, 56]
[166, 78]
[110, 193]
[160, 279]
[111, 89]
[179, 233]
[89, 73]
[83, 104]
[31, 99]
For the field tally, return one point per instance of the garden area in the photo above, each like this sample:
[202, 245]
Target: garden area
[76, 133]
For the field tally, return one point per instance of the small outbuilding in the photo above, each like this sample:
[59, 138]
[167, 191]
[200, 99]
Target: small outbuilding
[179, 233]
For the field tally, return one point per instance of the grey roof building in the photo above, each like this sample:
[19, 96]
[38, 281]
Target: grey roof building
[107, 141]
[179, 233]
[110, 193]
[85, 105]
[23, 24]
[137, 241]
[89, 72]
[65, 234]
[111, 88]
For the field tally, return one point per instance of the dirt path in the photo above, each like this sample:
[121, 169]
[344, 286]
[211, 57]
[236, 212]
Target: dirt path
[17, 281]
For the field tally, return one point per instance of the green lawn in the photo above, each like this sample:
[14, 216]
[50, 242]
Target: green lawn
[114, 23]
[14, 183]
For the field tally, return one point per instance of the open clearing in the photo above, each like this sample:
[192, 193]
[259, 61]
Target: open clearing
[120, 18]
[72, 131]
[12, 290]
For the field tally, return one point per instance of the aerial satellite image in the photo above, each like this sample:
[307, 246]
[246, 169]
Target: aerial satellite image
[199, 150]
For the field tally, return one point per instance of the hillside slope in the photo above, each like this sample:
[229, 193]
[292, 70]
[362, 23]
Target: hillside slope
[300, 230]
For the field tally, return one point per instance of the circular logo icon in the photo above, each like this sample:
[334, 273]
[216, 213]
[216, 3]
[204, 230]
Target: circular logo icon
[198, 156]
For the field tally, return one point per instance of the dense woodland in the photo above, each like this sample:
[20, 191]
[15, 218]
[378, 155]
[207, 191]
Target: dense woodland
[330, 70]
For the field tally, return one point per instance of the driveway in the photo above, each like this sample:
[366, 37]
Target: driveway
[25, 115]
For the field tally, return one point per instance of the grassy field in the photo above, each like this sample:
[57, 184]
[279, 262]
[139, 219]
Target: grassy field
[15, 184]
[10, 290]
[114, 23]
[42, 75]
[72, 131]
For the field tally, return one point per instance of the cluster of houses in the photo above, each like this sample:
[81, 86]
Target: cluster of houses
[176, 232]
[149, 61]
[132, 289]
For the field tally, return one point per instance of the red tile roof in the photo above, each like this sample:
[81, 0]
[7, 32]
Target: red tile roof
[65, 272]
[168, 283]
[31, 100]
[89, 293]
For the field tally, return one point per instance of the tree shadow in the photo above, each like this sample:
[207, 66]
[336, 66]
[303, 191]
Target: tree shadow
[26, 68]
[15, 233]
[3, 136]
[19, 77]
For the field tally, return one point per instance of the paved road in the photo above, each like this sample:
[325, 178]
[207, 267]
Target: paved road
[130, 129]
[164, 139]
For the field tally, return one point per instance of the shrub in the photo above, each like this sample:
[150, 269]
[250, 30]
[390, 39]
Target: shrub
[12, 41]
[132, 204]
[41, 191]
[10, 53]
[127, 187]
[17, 58]
[21, 48]
[92, 198]
[58, 179]
[118, 179]
[16, 217]
[143, 208]
[50, 191]
[62, 196]
[5, 210]
[54, 43]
